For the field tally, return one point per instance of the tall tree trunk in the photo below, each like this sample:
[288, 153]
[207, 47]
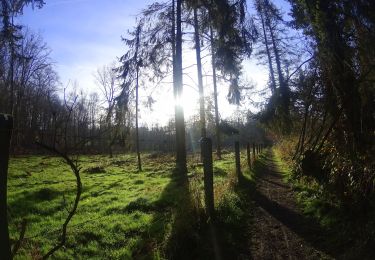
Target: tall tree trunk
[8, 29]
[200, 77]
[173, 41]
[217, 129]
[272, 73]
[6, 126]
[277, 58]
[136, 124]
[11, 108]
[136, 100]
[110, 139]
[178, 89]
[284, 91]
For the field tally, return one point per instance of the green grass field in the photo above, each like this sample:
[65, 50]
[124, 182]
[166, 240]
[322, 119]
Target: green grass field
[122, 214]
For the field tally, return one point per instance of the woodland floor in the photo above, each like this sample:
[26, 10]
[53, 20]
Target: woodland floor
[279, 229]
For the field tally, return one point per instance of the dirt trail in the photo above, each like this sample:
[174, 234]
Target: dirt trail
[280, 230]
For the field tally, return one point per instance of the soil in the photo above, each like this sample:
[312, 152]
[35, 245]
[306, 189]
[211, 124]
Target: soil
[279, 229]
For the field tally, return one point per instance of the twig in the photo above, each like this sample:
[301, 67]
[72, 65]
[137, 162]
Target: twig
[17, 246]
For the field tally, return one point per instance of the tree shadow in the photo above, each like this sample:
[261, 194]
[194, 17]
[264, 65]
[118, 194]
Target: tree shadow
[236, 237]
[179, 228]
[28, 202]
[182, 230]
[307, 228]
[272, 182]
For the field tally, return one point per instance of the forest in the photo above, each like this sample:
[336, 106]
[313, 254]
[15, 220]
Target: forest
[290, 174]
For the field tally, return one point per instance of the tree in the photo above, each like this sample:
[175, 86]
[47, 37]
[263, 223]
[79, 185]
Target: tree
[199, 72]
[230, 47]
[162, 28]
[107, 80]
[214, 81]
[64, 151]
[333, 105]
[131, 63]
[259, 8]
[138, 64]
[341, 32]
[11, 34]
[272, 27]
[34, 84]
[231, 36]
[196, 6]
[167, 31]
[178, 90]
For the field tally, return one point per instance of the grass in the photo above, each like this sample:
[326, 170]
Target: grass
[309, 193]
[122, 214]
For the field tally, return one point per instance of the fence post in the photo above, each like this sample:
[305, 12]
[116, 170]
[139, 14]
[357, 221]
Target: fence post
[248, 155]
[206, 152]
[238, 160]
[6, 126]
[254, 152]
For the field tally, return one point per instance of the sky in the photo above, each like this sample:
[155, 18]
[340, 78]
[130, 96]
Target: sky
[84, 35]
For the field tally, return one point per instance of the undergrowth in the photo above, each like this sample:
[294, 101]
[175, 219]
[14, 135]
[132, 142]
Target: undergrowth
[350, 232]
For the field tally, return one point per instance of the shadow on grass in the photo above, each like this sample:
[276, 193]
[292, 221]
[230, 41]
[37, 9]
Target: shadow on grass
[219, 172]
[234, 219]
[28, 201]
[179, 231]
[182, 230]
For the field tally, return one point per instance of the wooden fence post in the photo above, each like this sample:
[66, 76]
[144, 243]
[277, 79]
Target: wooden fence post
[206, 152]
[248, 155]
[238, 160]
[6, 126]
[254, 152]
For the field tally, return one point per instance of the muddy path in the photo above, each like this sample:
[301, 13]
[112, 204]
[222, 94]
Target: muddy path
[279, 229]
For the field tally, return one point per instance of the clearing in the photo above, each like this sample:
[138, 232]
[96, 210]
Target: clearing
[122, 214]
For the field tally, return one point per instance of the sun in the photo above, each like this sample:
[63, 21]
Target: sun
[163, 110]
[189, 101]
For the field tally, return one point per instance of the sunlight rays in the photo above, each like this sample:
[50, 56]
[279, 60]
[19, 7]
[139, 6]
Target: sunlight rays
[189, 102]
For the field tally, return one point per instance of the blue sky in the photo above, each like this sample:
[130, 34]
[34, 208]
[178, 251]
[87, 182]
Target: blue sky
[84, 35]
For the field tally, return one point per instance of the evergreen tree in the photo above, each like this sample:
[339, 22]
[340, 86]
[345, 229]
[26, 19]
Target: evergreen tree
[131, 63]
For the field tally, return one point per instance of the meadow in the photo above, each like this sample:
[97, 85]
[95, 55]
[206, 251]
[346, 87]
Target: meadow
[122, 213]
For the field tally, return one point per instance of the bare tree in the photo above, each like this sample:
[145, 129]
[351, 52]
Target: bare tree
[106, 79]
[63, 151]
